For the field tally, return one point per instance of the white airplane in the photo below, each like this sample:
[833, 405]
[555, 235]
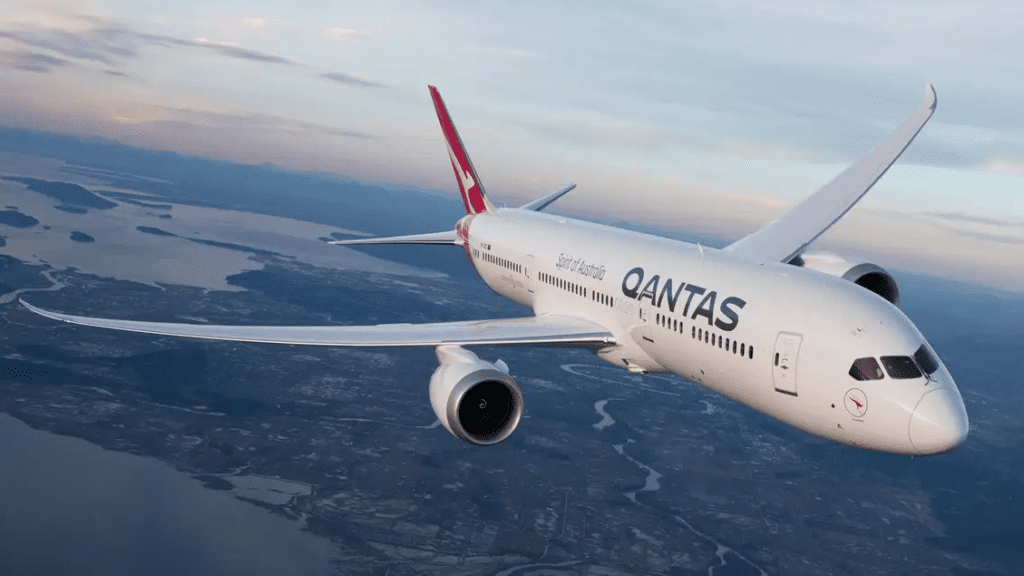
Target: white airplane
[812, 340]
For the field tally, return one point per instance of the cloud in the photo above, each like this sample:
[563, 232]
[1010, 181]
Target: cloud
[983, 228]
[96, 46]
[232, 121]
[350, 80]
[255, 22]
[1004, 165]
[31, 61]
[961, 217]
[107, 43]
[222, 48]
[341, 33]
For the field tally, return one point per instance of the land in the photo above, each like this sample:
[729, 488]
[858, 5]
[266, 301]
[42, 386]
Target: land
[344, 441]
[609, 473]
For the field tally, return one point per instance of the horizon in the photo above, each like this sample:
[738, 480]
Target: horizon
[708, 238]
[712, 119]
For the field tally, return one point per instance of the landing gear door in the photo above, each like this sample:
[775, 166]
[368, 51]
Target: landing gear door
[787, 349]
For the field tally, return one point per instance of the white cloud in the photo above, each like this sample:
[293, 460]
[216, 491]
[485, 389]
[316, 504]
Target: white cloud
[1005, 165]
[254, 22]
[962, 133]
[342, 33]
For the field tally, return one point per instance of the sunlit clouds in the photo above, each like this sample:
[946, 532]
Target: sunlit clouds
[711, 116]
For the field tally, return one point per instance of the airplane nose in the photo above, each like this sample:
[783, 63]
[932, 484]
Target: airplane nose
[939, 422]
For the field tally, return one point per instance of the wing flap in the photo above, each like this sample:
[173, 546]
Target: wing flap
[786, 237]
[530, 331]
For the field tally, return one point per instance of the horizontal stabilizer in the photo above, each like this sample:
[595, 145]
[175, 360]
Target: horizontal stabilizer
[542, 203]
[449, 237]
[549, 329]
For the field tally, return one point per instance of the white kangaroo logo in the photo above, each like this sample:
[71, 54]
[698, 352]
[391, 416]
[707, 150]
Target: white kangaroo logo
[465, 178]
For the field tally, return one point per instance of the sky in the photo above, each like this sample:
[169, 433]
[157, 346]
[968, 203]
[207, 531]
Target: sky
[704, 116]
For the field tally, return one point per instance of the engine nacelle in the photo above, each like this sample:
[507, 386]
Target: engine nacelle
[865, 274]
[475, 400]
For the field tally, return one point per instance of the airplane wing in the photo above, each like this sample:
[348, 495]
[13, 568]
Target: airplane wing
[547, 329]
[446, 237]
[542, 203]
[790, 234]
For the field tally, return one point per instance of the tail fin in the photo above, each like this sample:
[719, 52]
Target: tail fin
[469, 183]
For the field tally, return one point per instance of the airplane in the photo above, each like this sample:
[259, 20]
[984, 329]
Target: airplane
[814, 340]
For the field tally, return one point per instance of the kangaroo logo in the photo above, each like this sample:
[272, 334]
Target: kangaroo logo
[465, 178]
[856, 402]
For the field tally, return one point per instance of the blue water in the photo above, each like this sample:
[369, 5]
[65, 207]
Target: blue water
[71, 507]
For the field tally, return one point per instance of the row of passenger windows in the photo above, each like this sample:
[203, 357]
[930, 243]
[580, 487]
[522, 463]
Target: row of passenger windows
[518, 268]
[700, 334]
[673, 324]
[563, 284]
[601, 298]
[898, 367]
[710, 337]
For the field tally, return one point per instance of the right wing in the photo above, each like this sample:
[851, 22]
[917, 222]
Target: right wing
[790, 234]
[548, 329]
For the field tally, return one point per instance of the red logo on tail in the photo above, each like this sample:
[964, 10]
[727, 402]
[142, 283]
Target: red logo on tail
[469, 183]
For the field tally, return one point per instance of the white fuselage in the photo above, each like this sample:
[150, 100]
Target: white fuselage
[778, 338]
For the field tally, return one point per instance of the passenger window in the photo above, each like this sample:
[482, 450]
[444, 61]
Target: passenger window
[743, 349]
[900, 367]
[693, 331]
[733, 346]
[750, 351]
[866, 369]
[776, 358]
[700, 334]
[926, 360]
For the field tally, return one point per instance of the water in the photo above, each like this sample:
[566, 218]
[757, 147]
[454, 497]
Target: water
[71, 507]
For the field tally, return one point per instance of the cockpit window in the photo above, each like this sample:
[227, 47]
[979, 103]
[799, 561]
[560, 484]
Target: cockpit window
[926, 360]
[901, 367]
[866, 369]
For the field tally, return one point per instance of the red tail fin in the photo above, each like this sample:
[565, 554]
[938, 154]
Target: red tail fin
[469, 183]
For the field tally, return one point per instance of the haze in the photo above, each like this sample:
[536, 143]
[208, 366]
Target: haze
[709, 116]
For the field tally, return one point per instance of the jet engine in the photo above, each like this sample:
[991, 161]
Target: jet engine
[475, 400]
[865, 274]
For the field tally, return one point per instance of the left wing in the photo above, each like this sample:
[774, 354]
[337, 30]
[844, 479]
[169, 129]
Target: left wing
[548, 329]
[790, 234]
[446, 237]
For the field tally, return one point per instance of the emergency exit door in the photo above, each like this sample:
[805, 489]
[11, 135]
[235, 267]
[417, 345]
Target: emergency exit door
[787, 349]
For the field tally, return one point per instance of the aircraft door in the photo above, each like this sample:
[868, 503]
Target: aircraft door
[787, 349]
[646, 330]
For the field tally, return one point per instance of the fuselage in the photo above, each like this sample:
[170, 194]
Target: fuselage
[799, 345]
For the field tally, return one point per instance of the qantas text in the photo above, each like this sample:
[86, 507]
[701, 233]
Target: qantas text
[660, 291]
